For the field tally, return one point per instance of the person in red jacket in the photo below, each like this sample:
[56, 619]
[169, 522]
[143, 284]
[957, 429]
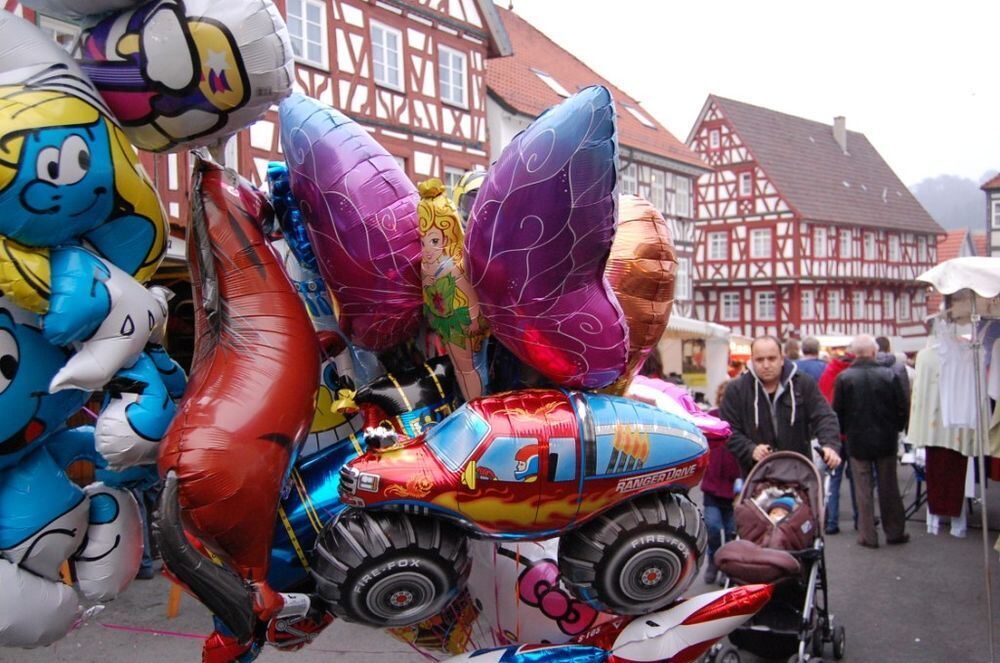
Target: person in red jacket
[826, 384]
[718, 489]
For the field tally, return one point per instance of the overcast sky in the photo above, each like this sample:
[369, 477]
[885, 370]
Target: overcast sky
[920, 79]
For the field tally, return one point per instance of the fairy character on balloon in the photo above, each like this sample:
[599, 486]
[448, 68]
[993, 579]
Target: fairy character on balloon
[451, 307]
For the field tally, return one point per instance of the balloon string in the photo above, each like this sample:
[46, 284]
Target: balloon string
[499, 636]
[152, 631]
[90, 412]
[517, 591]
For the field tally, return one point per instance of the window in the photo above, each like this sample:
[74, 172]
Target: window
[637, 114]
[904, 307]
[730, 306]
[713, 139]
[509, 459]
[889, 309]
[808, 305]
[307, 29]
[454, 439]
[451, 178]
[387, 55]
[819, 243]
[746, 184]
[833, 304]
[400, 161]
[996, 213]
[858, 305]
[845, 243]
[656, 190]
[683, 289]
[552, 83]
[765, 306]
[718, 246]
[760, 243]
[922, 249]
[684, 203]
[630, 179]
[62, 33]
[894, 248]
[451, 76]
[869, 246]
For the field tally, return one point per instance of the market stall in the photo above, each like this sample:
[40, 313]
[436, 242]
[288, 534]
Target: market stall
[698, 351]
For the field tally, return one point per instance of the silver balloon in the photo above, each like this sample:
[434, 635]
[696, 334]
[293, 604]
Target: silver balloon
[75, 10]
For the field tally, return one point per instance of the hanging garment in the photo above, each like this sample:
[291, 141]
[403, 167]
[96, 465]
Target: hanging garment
[946, 471]
[958, 381]
[993, 384]
[926, 429]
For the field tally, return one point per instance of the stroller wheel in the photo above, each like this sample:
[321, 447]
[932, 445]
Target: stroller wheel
[728, 654]
[817, 642]
[839, 642]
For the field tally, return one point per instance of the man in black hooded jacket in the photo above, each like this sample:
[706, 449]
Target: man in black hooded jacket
[773, 407]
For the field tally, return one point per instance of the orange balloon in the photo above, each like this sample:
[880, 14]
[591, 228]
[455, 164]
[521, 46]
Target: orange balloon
[641, 271]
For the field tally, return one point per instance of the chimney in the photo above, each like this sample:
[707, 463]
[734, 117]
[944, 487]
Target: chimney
[840, 132]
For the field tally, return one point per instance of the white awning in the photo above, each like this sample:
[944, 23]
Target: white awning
[976, 273]
[680, 327]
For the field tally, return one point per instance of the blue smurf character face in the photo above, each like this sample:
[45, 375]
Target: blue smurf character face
[27, 364]
[64, 185]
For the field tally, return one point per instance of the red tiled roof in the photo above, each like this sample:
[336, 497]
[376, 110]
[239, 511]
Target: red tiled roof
[951, 246]
[979, 243]
[512, 80]
[809, 168]
[991, 184]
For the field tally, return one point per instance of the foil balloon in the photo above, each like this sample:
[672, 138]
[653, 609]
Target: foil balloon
[641, 272]
[67, 173]
[538, 240]
[189, 72]
[75, 10]
[523, 597]
[451, 307]
[676, 399]
[464, 195]
[250, 398]
[361, 212]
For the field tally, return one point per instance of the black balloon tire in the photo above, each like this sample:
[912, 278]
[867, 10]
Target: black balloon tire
[364, 556]
[667, 527]
[839, 642]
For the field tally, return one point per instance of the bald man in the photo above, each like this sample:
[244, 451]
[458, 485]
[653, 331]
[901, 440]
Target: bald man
[871, 405]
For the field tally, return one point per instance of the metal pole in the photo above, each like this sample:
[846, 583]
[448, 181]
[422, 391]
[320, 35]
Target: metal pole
[981, 430]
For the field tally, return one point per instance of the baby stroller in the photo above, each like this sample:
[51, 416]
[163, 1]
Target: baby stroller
[779, 523]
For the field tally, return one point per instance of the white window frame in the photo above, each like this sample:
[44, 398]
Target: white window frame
[684, 204]
[716, 250]
[727, 300]
[714, 139]
[657, 195]
[858, 305]
[747, 180]
[463, 101]
[819, 243]
[894, 249]
[553, 84]
[683, 289]
[755, 235]
[400, 161]
[870, 249]
[922, 249]
[323, 43]
[758, 305]
[889, 305]
[996, 214]
[451, 178]
[48, 25]
[630, 179]
[846, 239]
[905, 310]
[834, 302]
[387, 29]
[808, 304]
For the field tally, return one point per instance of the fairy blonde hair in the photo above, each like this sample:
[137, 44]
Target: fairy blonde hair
[436, 211]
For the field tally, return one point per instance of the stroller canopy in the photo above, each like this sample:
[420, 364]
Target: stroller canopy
[790, 469]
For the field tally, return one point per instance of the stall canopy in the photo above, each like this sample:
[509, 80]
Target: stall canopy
[683, 328]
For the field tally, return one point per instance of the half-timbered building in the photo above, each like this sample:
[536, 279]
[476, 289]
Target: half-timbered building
[992, 189]
[654, 164]
[803, 228]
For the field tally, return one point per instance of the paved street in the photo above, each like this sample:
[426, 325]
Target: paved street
[920, 602]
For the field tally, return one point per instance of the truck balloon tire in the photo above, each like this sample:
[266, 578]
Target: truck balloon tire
[389, 569]
[638, 557]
